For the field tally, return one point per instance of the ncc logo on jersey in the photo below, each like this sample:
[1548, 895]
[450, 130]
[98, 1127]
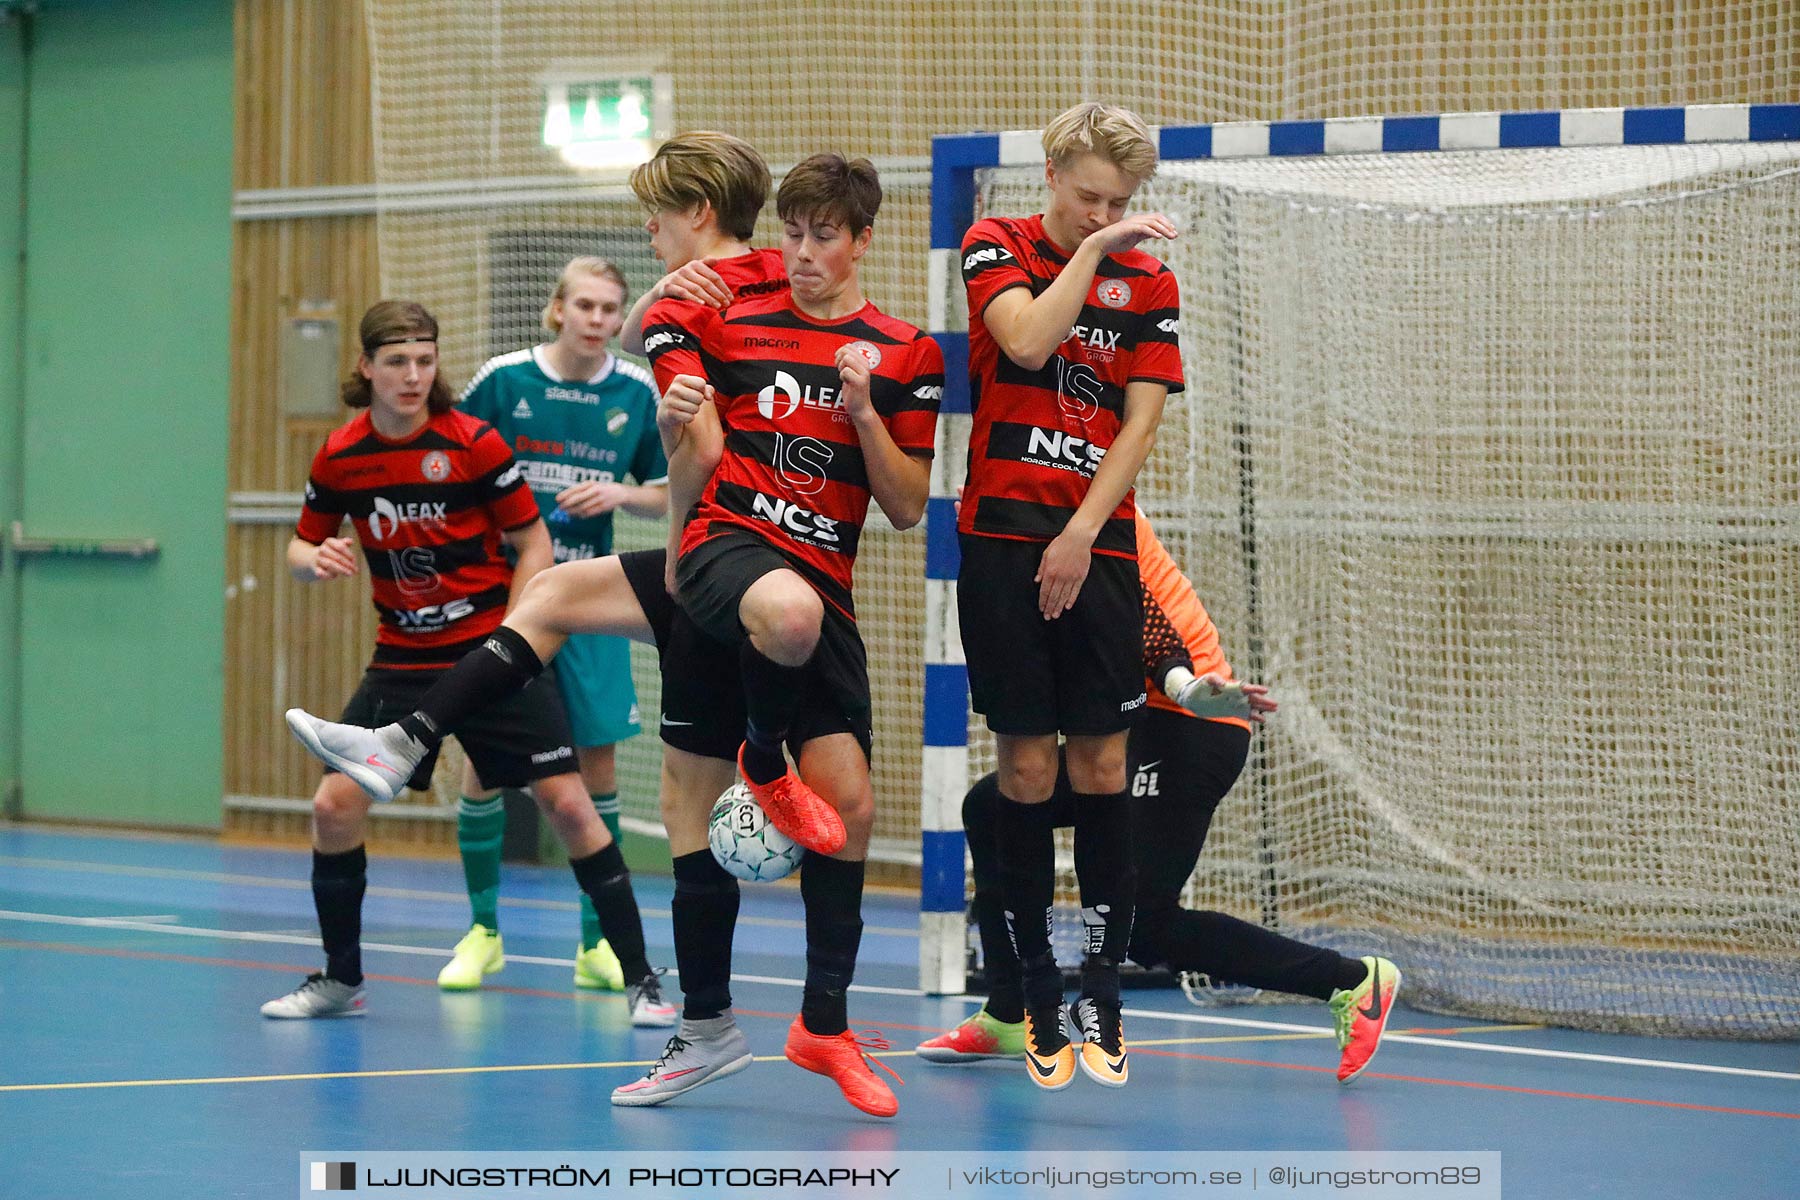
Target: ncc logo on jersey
[435, 466]
[1114, 293]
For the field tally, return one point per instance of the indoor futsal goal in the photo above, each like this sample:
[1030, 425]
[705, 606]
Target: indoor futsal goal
[1489, 465]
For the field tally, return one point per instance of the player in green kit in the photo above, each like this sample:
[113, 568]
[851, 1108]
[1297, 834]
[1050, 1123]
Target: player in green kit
[579, 421]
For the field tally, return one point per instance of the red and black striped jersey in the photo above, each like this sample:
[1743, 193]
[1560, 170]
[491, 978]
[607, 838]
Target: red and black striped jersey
[671, 327]
[429, 512]
[793, 471]
[1038, 436]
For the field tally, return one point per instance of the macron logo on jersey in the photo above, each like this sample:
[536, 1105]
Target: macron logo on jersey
[521, 409]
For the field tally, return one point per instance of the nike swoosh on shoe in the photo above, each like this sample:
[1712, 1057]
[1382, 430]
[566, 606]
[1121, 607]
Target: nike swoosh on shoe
[1376, 1007]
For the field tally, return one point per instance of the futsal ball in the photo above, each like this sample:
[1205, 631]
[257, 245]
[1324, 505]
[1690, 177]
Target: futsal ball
[744, 841]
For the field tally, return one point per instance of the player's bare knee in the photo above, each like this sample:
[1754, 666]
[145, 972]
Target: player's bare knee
[1029, 779]
[1097, 769]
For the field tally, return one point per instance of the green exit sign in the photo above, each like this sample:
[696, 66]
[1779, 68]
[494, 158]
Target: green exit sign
[606, 120]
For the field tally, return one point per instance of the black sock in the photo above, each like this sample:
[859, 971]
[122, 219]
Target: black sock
[772, 695]
[500, 667]
[832, 892]
[1026, 843]
[1233, 951]
[1104, 868]
[338, 883]
[705, 910]
[1006, 995]
[607, 882]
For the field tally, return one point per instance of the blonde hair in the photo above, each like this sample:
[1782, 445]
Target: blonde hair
[1116, 134]
[586, 264]
[704, 166]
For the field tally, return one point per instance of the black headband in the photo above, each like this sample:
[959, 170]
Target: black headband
[399, 341]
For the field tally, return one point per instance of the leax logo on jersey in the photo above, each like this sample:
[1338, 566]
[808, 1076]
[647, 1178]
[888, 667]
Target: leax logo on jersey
[386, 517]
[780, 400]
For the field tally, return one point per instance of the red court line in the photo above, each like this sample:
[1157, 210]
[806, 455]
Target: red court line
[1485, 1087]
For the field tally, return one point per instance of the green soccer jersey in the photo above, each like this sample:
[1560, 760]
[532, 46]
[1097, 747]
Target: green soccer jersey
[565, 432]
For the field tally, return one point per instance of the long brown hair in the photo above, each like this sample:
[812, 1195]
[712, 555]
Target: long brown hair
[393, 321]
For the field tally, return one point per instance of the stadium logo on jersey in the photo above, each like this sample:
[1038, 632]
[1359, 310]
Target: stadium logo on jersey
[802, 524]
[778, 401]
[435, 466]
[871, 353]
[616, 420]
[1114, 293]
[987, 254]
[521, 409]
[386, 517]
[570, 396]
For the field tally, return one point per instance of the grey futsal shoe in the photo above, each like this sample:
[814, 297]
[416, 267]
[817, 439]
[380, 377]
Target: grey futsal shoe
[380, 761]
[700, 1052]
[648, 1008]
[318, 997]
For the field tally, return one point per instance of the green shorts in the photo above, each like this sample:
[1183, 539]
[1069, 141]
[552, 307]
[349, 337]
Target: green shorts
[593, 672]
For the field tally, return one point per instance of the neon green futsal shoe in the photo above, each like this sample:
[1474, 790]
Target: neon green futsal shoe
[1362, 1014]
[979, 1038]
[599, 969]
[477, 956]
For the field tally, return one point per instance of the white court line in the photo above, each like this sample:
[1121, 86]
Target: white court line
[779, 981]
[386, 893]
[1413, 1039]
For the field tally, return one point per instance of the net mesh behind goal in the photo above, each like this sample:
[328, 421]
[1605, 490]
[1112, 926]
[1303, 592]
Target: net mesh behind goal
[1490, 465]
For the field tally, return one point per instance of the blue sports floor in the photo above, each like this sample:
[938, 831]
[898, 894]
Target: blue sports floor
[134, 1059]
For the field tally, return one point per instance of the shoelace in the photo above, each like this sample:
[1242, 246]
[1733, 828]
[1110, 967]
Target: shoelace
[1046, 1034]
[676, 1045]
[871, 1039]
[1106, 1033]
[650, 986]
[1343, 1016]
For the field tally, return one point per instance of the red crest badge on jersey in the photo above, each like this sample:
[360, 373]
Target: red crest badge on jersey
[870, 352]
[1114, 293]
[435, 466]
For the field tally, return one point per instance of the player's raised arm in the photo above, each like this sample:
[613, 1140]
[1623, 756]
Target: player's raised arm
[899, 481]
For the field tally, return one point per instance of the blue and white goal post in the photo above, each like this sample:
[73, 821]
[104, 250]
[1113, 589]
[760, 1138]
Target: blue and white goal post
[956, 160]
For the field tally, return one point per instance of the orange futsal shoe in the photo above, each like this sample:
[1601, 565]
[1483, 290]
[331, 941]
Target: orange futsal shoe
[1049, 1057]
[845, 1060]
[1361, 1014]
[797, 811]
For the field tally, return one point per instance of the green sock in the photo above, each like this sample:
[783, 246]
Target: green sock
[607, 805]
[480, 829]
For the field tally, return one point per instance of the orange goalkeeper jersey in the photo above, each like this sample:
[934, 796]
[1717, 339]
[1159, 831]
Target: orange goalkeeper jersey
[1174, 617]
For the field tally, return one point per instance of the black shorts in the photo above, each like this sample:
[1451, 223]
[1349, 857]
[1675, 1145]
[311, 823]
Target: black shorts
[712, 579]
[644, 572]
[1082, 673]
[515, 742]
